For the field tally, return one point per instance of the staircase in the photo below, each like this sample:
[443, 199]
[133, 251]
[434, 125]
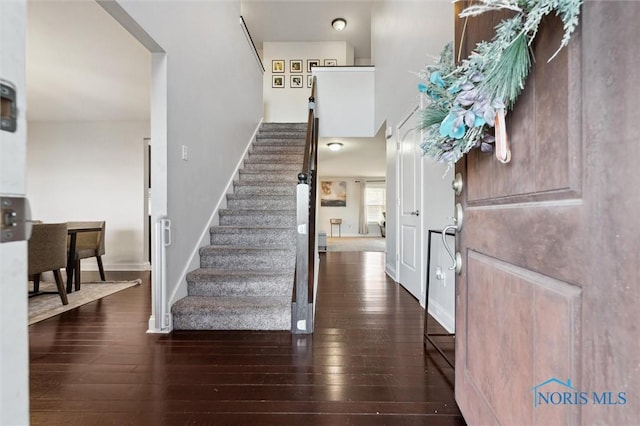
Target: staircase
[245, 278]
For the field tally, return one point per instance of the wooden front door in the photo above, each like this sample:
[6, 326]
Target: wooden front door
[548, 299]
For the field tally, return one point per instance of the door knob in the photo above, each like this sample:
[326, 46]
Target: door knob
[415, 213]
[457, 184]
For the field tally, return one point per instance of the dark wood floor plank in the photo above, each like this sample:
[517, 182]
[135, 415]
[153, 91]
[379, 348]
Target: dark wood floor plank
[365, 364]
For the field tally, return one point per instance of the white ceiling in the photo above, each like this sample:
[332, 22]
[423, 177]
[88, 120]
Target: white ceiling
[82, 65]
[361, 157]
[310, 20]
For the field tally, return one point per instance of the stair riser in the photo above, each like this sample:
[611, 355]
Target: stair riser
[287, 178]
[265, 189]
[240, 288]
[257, 239]
[251, 320]
[280, 168]
[247, 261]
[261, 204]
[279, 143]
[278, 149]
[250, 220]
[283, 127]
[286, 158]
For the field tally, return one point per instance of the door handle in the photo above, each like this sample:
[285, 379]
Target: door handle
[415, 213]
[456, 227]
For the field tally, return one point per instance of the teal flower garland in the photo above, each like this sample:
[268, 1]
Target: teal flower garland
[464, 100]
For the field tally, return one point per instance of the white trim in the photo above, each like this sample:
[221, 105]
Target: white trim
[145, 266]
[440, 314]
[391, 273]
[213, 220]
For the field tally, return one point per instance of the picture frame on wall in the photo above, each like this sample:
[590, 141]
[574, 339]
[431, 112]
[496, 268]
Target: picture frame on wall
[295, 65]
[330, 62]
[309, 81]
[296, 81]
[277, 66]
[333, 193]
[312, 63]
[277, 81]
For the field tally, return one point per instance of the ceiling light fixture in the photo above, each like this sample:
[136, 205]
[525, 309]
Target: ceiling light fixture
[334, 146]
[339, 24]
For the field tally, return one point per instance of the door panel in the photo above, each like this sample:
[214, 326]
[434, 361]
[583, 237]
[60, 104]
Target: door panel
[550, 283]
[410, 244]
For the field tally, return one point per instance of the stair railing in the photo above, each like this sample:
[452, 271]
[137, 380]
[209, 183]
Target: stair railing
[302, 306]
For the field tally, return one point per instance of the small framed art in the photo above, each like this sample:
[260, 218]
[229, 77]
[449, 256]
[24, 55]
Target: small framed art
[277, 81]
[312, 63]
[295, 65]
[296, 81]
[277, 65]
[330, 62]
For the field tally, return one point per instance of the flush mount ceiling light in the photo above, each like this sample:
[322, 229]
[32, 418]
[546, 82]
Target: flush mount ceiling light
[334, 146]
[339, 24]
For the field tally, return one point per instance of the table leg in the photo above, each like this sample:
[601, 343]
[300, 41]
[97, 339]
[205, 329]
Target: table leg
[71, 261]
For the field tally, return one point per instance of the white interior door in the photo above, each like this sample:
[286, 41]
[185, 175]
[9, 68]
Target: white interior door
[410, 201]
[14, 359]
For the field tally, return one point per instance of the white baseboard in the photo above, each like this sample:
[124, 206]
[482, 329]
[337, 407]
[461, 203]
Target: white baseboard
[391, 272]
[445, 318]
[145, 266]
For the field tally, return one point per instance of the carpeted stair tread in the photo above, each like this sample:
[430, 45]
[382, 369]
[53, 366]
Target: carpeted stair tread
[257, 212]
[279, 149]
[245, 201]
[209, 274]
[264, 188]
[248, 228]
[226, 283]
[246, 257]
[232, 313]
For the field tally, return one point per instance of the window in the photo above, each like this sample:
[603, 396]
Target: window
[376, 202]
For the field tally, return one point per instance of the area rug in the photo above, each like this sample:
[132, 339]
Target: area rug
[48, 305]
[356, 244]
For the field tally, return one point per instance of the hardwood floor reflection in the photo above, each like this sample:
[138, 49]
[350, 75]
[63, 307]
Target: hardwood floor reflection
[365, 364]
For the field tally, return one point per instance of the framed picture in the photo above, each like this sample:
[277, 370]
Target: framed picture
[295, 65]
[312, 63]
[333, 193]
[330, 62]
[296, 81]
[277, 65]
[309, 81]
[278, 81]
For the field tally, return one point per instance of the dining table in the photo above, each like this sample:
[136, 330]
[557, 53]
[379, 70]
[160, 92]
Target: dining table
[73, 232]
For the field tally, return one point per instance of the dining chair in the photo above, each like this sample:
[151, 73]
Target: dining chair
[48, 252]
[89, 244]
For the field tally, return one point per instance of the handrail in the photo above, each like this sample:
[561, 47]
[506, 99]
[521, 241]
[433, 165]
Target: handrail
[304, 281]
[247, 34]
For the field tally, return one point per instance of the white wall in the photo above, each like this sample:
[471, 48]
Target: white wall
[349, 214]
[79, 171]
[405, 36]
[290, 104]
[214, 93]
[346, 101]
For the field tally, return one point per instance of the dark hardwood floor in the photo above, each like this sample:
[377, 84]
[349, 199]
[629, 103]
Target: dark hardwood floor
[365, 364]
